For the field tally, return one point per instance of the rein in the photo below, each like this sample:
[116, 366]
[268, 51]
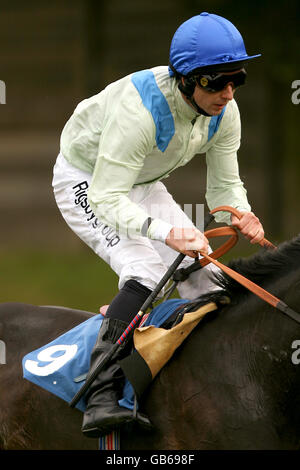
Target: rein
[257, 290]
[272, 300]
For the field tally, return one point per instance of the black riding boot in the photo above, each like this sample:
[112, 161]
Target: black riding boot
[103, 413]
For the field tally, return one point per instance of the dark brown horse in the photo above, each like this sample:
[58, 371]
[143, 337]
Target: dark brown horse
[233, 384]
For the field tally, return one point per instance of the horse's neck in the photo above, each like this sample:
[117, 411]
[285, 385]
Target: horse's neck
[262, 347]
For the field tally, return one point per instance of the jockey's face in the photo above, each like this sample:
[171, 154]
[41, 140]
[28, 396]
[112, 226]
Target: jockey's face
[213, 102]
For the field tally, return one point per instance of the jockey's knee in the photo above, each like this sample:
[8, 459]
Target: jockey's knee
[128, 301]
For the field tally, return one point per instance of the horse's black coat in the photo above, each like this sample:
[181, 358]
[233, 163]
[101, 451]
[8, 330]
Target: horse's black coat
[265, 267]
[231, 385]
[30, 417]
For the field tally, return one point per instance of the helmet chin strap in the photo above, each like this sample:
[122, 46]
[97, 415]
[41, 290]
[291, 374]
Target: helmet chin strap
[187, 88]
[198, 109]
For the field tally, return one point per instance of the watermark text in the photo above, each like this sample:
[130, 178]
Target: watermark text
[296, 94]
[296, 354]
[2, 352]
[116, 216]
[2, 92]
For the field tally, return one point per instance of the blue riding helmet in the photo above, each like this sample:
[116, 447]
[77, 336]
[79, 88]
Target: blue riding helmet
[206, 40]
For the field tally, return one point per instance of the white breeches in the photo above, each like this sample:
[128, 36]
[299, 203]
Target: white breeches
[140, 258]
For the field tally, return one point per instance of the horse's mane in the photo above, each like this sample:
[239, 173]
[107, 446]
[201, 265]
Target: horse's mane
[263, 267]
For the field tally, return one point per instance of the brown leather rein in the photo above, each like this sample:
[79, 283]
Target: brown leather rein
[257, 290]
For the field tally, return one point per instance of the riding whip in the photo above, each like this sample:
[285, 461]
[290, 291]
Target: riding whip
[133, 324]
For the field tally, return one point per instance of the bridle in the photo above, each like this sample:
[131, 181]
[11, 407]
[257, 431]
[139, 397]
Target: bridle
[271, 299]
[182, 274]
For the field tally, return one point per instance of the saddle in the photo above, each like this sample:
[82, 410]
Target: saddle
[61, 365]
[154, 346]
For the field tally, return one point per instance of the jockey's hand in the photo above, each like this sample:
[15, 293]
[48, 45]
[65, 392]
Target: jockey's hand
[250, 226]
[189, 241]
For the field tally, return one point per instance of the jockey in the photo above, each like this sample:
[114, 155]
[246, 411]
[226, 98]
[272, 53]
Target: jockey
[117, 147]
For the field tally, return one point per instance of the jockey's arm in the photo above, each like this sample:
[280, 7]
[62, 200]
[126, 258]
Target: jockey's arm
[120, 159]
[250, 226]
[224, 186]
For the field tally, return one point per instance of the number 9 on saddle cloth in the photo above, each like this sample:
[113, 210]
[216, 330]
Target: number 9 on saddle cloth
[61, 365]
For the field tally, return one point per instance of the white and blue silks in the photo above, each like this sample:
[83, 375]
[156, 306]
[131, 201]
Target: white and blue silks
[140, 129]
[56, 366]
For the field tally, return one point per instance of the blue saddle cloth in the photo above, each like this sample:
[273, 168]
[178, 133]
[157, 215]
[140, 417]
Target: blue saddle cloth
[56, 366]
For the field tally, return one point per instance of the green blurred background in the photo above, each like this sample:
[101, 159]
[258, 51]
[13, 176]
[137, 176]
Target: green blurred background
[54, 54]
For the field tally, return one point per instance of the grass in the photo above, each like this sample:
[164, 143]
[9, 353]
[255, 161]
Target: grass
[77, 279]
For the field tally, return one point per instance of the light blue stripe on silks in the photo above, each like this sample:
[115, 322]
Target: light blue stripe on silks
[214, 124]
[154, 100]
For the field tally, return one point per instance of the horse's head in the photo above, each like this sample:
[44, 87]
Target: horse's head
[277, 271]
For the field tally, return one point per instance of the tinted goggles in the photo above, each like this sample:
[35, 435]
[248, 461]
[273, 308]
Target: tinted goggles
[217, 82]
